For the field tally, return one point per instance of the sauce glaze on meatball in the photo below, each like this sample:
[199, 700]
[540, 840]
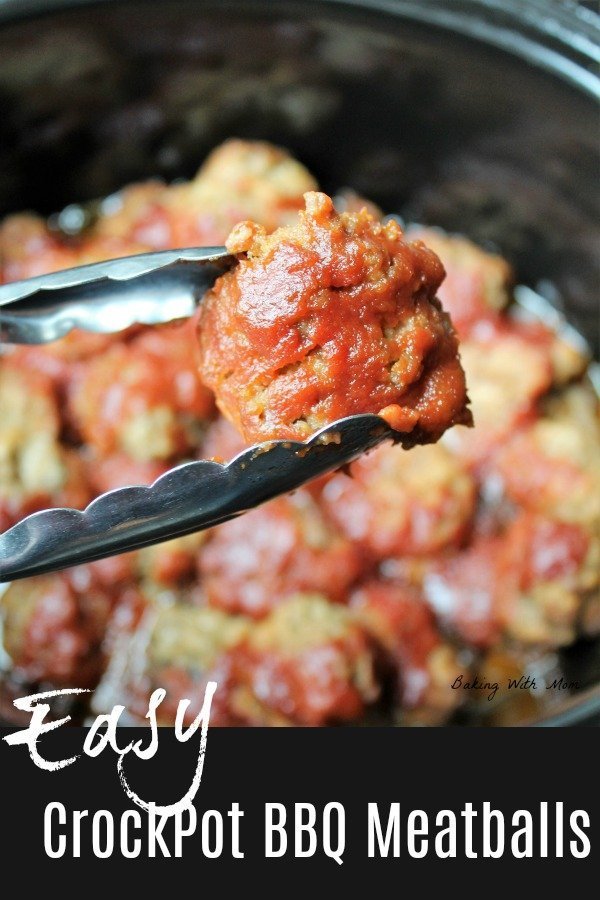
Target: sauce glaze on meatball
[333, 316]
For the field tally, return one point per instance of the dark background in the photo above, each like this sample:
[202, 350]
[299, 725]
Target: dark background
[426, 769]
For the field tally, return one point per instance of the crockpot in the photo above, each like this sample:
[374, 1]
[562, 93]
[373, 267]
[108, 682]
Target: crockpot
[476, 115]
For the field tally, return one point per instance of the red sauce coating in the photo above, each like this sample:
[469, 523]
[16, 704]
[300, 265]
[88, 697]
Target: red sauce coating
[251, 564]
[309, 661]
[222, 442]
[107, 473]
[183, 684]
[477, 283]
[397, 503]
[60, 639]
[483, 592]
[311, 688]
[150, 384]
[403, 624]
[508, 371]
[463, 592]
[553, 467]
[334, 316]
[540, 549]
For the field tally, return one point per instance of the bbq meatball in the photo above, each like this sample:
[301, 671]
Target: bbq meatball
[178, 648]
[222, 442]
[462, 589]
[35, 470]
[239, 180]
[477, 283]
[61, 363]
[242, 180]
[308, 663]
[553, 466]
[331, 316]
[530, 585]
[398, 503]
[476, 291]
[28, 248]
[551, 571]
[138, 212]
[58, 358]
[507, 373]
[424, 666]
[52, 632]
[253, 563]
[144, 398]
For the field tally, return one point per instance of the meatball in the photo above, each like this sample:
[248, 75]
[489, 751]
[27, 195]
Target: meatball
[172, 563]
[138, 212]
[551, 571]
[35, 470]
[58, 358]
[476, 291]
[462, 590]
[529, 585]
[54, 626]
[29, 248]
[222, 442]
[178, 648]
[423, 664]
[507, 373]
[477, 283]
[397, 502]
[107, 473]
[144, 398]
[239, 180]
[52, 631]
[553, 466]
[308, 663]
[332, 316]
[113, 575]
[253, 563]
[61, 361]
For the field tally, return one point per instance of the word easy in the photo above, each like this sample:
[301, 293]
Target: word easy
[103, 734]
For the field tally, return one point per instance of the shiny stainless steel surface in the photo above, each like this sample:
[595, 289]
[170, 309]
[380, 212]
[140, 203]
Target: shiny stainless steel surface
[105, 297]
[188, 498]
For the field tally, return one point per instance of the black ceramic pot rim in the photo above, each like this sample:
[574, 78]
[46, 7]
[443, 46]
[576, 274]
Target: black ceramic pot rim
[574, 711]
[560, 36]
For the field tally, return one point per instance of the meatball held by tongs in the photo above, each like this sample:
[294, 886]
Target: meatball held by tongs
[333, 316]
[310, 334]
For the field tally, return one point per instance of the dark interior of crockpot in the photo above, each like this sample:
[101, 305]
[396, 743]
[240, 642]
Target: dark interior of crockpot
[438, 127]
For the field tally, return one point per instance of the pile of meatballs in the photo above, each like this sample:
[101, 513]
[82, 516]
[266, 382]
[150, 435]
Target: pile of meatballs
[364, 595]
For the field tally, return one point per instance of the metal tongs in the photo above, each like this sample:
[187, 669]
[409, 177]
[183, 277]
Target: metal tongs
[153, 288]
